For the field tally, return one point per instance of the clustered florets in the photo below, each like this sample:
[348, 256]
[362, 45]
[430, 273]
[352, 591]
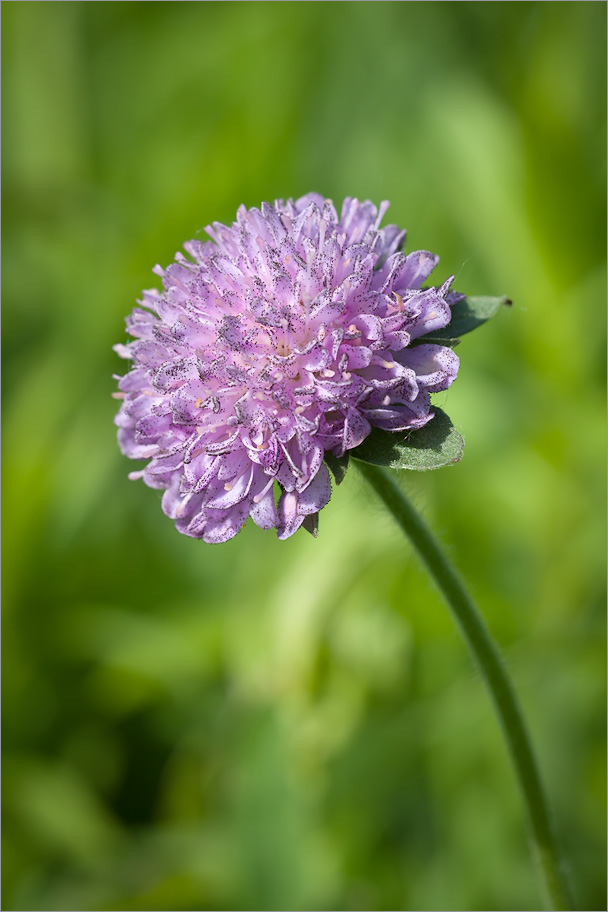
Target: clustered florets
[287, 336]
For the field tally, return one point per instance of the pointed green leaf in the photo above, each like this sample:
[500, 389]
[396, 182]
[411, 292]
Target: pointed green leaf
[337, 465]
[437, 339]
[467, 315]
[311, 524]
[436, 444]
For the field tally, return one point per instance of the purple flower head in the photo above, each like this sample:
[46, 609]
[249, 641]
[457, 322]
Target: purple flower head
[287, 336]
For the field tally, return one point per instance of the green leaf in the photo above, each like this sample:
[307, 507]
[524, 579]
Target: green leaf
[436, 444]
[437, 339]
[311, 524]
[337, 465]
[467, 315]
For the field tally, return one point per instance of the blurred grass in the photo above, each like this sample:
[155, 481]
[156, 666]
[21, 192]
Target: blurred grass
[296, 725]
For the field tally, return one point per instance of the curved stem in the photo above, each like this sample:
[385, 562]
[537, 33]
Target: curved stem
[487, 656]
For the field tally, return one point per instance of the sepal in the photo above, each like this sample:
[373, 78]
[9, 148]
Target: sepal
[436, 444]
[311, 524]
[467, 315]
[337, 465]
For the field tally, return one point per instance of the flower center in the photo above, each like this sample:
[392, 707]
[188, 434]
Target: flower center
[282, 348]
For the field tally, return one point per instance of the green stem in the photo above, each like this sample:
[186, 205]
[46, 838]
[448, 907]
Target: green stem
[493, 669]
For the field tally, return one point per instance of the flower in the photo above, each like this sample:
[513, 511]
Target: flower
[286, 337]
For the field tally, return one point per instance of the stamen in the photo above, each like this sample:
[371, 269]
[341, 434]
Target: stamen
[118, 395]
[263, 493]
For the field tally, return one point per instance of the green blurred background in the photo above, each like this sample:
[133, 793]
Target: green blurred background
[297, 725]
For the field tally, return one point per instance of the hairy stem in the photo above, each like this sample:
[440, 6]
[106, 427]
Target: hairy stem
[487, 656]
